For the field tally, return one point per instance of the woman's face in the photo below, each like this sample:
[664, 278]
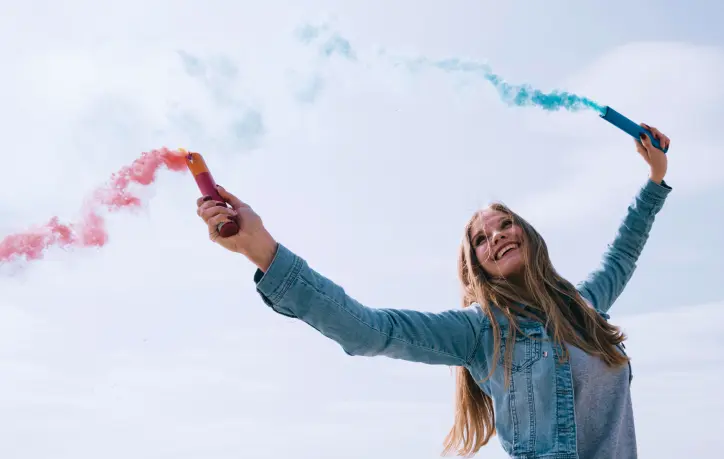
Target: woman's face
[498, 243]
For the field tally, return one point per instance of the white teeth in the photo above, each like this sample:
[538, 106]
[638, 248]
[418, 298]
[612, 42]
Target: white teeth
[505, 250]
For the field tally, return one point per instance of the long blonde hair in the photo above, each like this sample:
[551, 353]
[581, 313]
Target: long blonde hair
[551, 300]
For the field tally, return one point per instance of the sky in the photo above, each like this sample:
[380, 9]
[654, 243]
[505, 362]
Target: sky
[157, 346]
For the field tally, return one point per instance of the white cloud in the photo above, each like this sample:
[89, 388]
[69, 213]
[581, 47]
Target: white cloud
[677, 358]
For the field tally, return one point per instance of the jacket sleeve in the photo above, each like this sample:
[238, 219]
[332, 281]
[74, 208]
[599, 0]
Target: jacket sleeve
[291, 288]
[604, 285]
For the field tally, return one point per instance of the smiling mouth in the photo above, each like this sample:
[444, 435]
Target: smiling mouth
[506, 249]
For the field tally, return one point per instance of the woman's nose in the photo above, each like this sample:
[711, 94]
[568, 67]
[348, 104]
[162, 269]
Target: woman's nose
[497, 235]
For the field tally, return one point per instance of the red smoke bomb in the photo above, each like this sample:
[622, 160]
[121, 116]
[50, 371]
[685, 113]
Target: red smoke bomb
[90, 230]
[207, 186]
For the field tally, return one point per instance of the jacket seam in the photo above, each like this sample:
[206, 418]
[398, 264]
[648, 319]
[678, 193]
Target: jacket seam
[655, 203]
[289, 279]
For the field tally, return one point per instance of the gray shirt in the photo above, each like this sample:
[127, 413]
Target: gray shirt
[604, 414]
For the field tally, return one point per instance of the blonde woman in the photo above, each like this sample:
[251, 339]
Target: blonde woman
[538, 362]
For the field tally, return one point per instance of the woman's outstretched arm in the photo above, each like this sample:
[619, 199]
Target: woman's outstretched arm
[604, 285]
[289, 286]
[292, 288]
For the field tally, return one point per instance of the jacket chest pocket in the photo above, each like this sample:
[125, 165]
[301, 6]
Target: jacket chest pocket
[527, 348]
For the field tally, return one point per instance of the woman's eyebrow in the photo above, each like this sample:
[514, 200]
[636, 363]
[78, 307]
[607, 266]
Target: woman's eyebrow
[479, 233]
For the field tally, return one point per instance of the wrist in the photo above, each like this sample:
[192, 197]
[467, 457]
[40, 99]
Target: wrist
[263, 252]
[656, 178]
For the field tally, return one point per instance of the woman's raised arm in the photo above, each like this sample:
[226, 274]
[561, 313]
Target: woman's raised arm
[604, 285]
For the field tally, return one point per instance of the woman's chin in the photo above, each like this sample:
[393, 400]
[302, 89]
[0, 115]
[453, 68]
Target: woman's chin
[510, 266]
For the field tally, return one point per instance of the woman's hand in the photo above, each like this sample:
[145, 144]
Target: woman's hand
[655, 158]
[253, 240]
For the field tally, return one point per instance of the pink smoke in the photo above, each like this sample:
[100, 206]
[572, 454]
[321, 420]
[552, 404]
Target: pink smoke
[90, 230]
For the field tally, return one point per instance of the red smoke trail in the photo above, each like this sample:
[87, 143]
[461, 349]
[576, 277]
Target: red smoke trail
[90, 231]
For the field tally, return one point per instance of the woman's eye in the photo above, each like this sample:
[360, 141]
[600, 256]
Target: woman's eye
[506, 223]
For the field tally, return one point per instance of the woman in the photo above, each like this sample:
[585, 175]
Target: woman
[539, 363]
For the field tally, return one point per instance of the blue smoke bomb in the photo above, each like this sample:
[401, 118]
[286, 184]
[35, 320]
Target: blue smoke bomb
[628, 126]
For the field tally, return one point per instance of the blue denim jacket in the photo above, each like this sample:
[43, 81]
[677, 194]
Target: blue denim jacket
[535, 413]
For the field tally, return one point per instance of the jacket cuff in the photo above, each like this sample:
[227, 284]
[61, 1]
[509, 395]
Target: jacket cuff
[279, 277]
[656, 193]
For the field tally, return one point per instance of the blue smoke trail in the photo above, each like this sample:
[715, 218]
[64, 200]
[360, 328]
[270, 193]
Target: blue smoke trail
[308, 33]
[339, 45]
[517, 95]
[334, 44]
[246, 124]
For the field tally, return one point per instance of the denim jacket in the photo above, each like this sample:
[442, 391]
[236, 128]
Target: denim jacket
[535, 413]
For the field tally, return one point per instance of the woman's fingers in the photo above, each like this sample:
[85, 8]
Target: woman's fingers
[202, 200]
[646, 141]
[235, 202]
[642, 150]
[216, 220]
[653, 131]
[664, 141]
[210, 209]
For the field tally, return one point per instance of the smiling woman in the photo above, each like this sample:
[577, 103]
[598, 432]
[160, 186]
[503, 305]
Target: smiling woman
[538, 362]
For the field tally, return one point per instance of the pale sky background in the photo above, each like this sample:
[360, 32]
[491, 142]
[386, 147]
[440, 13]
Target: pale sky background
[157, 346]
